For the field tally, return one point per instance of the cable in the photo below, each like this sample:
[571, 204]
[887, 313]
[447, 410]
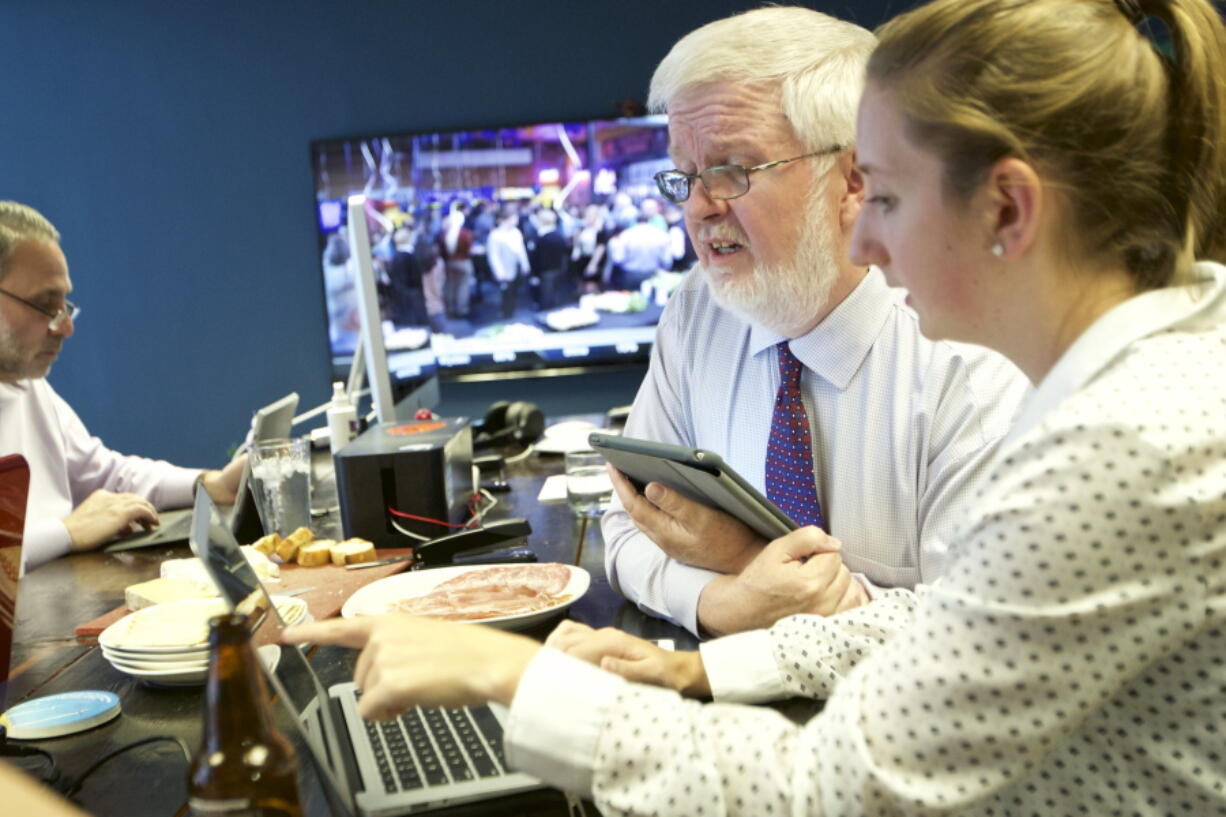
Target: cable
[521, 455]
[15, 752]
[69, 787]
[404, 515]
[479, 515]
[476, 516]
[408, 532]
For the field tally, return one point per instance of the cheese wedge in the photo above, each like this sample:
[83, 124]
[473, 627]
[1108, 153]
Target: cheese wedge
[353, 551]
[192, 570]
[157, 591]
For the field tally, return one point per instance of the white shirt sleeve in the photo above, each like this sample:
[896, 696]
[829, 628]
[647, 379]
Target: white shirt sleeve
[636, 566]
[44, 540]
[559, 708]
[1037, 665]
[92, 466]
[67, 464]
[802, 655]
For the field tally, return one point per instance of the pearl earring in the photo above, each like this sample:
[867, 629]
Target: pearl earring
[998, 249]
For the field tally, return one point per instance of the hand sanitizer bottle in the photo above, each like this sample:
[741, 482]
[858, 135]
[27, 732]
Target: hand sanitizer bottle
[342, 418]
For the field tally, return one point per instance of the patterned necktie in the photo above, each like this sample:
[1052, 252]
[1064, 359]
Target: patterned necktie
[789, 455]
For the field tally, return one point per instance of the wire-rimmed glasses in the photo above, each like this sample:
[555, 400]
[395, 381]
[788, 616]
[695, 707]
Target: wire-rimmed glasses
[722, 181]
[69, 310]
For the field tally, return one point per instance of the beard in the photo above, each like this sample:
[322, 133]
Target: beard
[786, 297]
[17, 362]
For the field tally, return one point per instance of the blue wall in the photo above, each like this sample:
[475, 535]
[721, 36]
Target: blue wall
[168, 142]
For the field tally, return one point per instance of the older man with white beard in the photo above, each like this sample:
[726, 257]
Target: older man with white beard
[762, 113]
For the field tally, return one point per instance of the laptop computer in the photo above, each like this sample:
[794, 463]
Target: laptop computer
[429, 758]
[269, 423]
[14, 486]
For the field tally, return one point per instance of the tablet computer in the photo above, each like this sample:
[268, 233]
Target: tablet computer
[697, 474]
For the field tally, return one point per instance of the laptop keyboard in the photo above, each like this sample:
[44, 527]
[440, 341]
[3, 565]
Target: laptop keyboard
[431, 747]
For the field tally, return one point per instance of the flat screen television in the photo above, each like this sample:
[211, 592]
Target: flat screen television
[502, 249]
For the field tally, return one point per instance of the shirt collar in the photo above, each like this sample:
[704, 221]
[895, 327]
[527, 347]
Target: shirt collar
[1201, 300]
[836, 348]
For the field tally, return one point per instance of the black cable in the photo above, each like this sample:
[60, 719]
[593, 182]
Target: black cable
[70, 787]
[15, 752]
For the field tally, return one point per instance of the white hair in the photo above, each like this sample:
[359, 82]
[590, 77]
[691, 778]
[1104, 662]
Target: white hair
[18, 223]
[816, 61]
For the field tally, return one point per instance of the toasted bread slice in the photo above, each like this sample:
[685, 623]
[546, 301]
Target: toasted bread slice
[267, 544]
[353, 551]
[315, 553]
[287, 548]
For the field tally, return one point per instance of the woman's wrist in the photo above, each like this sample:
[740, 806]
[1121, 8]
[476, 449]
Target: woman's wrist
[507, 667]
[691, 675]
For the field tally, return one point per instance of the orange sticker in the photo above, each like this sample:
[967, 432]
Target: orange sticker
[415, 428]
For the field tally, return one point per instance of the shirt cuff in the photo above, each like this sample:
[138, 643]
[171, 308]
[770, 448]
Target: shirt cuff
[177, 489]
[869, 588]
[557, 715]
[681, 592]
[741, 668]
[44, 541]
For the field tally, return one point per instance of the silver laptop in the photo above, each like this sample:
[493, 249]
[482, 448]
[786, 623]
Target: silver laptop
[429, 758]
[269, 423]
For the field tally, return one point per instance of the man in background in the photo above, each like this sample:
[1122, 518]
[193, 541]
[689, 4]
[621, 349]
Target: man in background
[643, 249]
[777, 343]
[82, 494]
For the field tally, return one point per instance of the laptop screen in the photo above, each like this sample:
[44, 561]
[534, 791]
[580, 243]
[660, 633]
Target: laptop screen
[293, 680]
[14, 485]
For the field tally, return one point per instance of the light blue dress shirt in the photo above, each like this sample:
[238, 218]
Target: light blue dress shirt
[902, 429]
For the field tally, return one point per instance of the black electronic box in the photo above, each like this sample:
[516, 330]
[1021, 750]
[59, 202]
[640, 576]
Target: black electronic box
[423, 468]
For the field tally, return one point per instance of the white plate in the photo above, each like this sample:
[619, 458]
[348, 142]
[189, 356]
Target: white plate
[115, 637]
[292, 609]
[155, 667]
[190, 675]
[155, 660]
[570, 435]
[374, 598]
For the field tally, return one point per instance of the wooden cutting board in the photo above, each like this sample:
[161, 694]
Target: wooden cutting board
[331, 585]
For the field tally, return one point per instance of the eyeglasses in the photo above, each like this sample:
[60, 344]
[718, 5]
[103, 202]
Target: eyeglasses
[721, 181]
[69, 310]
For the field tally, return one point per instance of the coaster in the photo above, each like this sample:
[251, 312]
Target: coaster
[67, 713]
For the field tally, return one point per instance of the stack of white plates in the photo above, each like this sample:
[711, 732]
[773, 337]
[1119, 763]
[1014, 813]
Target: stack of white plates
[168, 643]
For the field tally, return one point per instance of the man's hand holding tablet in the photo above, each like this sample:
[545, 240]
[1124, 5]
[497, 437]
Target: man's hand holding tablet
[686, 530]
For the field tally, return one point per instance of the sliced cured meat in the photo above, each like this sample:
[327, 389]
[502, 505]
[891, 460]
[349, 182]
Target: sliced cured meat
[491, 592]
[475, 603]
[549, 578]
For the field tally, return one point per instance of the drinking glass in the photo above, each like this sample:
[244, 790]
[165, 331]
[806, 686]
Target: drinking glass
[588, 487]
[281, 483]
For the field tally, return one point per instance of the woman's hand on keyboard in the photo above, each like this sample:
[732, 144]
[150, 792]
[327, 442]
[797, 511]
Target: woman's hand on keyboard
[632, 658]
[409, 661]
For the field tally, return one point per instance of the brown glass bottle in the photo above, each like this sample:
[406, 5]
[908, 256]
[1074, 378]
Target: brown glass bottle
[244, 767]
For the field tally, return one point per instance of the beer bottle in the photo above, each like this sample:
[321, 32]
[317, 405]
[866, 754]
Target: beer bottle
[245, 767]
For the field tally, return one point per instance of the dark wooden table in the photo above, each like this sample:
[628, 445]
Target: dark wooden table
[151, 780]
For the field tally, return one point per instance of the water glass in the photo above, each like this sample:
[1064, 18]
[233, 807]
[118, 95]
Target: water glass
[281, 484]
[588, 487]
